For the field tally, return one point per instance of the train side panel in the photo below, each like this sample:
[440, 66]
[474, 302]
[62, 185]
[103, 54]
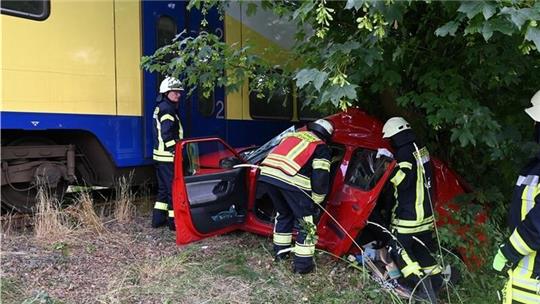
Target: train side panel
[127, 25]
[77, 71]
[60, 64]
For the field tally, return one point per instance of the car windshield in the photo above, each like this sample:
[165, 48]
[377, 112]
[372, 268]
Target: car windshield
[257, 155]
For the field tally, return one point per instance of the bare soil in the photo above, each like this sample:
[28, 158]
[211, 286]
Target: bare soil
[80, 267]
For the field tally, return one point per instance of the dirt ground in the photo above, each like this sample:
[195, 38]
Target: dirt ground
[82, 266]
[134, 263]
[109, 254]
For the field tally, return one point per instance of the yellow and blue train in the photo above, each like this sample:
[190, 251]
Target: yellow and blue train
[76, 105]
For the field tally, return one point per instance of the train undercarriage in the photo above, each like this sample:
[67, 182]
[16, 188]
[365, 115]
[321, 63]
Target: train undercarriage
[55, 160]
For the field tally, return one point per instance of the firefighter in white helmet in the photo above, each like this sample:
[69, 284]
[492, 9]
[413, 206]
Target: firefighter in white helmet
[299, 166]
[167, 131]
[518, 255]
[412, 220]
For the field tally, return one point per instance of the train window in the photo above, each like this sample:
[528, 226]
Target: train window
[206, 104]
[31, 9]
[166, 31]
[274, 105]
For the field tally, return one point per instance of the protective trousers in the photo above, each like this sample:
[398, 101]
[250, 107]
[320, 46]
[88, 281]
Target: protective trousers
[163, 211]
[416, 262]
[521, 289]
[294, 208]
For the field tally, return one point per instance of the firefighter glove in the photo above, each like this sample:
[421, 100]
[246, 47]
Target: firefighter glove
[384, 152]
[499, 262]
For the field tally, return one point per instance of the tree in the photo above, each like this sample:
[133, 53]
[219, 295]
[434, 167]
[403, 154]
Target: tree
[462, 72]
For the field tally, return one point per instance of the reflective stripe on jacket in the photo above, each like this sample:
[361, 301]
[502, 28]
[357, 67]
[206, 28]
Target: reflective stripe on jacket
[522, 246]
[314, 175]
[167, 130]
[293, 152]
[412, 181]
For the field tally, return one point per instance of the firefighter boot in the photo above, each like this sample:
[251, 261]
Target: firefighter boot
[170, 221]
[282, 253]
[159, 215]
[304, 270]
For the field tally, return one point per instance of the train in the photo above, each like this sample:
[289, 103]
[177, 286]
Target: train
[76, 107]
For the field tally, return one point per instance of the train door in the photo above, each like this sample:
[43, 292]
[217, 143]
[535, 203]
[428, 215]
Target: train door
[205, 115]
[162, 20]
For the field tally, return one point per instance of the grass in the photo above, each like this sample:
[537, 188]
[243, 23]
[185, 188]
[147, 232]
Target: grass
[239, 269]
[84, 214]
[11, 291]
[124, 209]
[50, 222]
[7, 224]
[236, 268]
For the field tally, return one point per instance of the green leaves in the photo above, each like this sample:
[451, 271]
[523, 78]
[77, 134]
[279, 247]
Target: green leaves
[338, 94]
[323, 17]
[472, 8]
[488, 10]
[356, 4]
[518, 16]
[303, 11]
[314, 76]
[504, 17]
[533, 34]
[449, 28]
[203, 62]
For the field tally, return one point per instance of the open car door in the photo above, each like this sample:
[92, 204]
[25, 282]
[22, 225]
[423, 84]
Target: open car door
[352, 202]
[210, 196]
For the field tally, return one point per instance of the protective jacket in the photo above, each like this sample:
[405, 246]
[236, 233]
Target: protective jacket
[167, 130]
[412, 177]
[522, 246]
[300, 161]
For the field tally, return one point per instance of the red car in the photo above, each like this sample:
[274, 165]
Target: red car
[213, 196]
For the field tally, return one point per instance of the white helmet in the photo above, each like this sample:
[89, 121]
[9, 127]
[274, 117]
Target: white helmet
[394, 125]
[534, 111]
[170, 84]
[322, 126]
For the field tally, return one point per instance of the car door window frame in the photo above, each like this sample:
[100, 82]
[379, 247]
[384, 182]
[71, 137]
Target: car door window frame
[377, 169]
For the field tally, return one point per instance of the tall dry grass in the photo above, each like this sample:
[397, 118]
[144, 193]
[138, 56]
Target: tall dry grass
[84, 213]
[53, 223]
[7, 224]
[50, 222]
[124, 208]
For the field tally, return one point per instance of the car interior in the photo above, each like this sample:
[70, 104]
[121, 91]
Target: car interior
[216, 191]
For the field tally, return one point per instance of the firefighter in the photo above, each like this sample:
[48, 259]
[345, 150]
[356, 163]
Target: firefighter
[167, 131]
[517, 256]
[412, 220]
[296, 176]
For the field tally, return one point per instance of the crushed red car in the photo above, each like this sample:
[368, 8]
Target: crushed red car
[213, 195]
